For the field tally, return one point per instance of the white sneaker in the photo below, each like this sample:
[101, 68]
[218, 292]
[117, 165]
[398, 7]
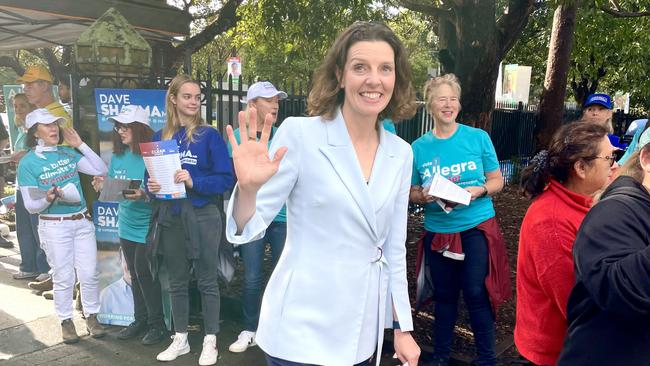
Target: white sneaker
[178, 347]
[244, 340]
[209, 353]
[42, 277]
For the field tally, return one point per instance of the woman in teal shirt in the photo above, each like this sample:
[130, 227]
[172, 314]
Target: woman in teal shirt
[458, 244]
[48, 178]
[131, 127]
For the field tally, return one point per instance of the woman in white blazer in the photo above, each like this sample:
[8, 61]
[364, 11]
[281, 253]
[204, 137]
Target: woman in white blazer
[342, 276]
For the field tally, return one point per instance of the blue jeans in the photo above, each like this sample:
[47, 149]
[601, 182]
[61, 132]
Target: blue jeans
[449, 277]
[253, 256]
[32, 257]
[272, 361]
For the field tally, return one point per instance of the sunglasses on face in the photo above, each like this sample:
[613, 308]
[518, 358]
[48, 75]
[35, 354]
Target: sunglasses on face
[120, 127]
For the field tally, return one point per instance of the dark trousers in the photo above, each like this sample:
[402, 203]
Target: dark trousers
[449, 277]
[174, 254]
[253, 256]
[32, 257]
[272, 361]
[147, 300]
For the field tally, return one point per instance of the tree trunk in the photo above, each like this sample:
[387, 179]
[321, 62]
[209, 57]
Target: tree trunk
[551, 106]
[476, 62]
[472, 44]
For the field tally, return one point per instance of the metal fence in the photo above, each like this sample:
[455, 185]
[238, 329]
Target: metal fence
[512, 133]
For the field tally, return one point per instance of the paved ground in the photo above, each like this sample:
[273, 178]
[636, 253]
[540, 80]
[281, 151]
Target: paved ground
[30, 333]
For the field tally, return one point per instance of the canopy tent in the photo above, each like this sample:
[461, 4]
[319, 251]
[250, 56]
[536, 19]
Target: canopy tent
[34, 23]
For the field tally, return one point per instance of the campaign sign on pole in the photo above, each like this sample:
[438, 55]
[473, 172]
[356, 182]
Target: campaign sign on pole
[234, 69]
[9, 92]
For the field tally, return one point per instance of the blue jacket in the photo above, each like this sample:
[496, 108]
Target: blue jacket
[207, 161]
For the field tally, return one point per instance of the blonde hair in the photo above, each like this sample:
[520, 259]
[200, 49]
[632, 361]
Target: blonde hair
[432, 85]
[326, 94]
[632, 167]
[172, 125]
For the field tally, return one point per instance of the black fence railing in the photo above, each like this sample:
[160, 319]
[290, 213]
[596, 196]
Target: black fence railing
[512, 132]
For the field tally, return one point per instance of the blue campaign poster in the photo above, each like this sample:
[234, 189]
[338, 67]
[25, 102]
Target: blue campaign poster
[115, 280]
[115, 297]
[105, 218]
[109, 103]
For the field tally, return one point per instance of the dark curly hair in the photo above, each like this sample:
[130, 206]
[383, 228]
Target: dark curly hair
[571, 143]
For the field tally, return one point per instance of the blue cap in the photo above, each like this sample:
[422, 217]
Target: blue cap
[600, 99]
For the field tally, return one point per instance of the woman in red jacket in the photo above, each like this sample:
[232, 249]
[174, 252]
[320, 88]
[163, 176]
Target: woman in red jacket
[562, 181]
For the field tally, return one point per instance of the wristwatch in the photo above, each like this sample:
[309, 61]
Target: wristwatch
[485, 191]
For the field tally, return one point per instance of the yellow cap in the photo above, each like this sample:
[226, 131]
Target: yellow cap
[35, 72]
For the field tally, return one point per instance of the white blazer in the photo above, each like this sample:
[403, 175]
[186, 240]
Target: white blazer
[344, 260]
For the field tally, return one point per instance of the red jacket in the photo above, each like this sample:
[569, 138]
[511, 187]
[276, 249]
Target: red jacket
[497, 281]
[545, 271]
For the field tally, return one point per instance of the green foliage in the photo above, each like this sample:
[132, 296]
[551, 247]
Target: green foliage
[286, 40]
[7, 76]
[217, 52]
[532, 49]
[616, 45]
[418, 37]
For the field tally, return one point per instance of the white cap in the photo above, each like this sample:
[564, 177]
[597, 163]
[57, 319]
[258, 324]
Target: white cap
[131, 113]
[41, 115]
[262, 89]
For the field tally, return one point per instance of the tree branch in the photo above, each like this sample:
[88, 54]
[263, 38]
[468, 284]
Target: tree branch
[226, 18]
[205, 15]
[618, 13]
[55, 65]
[187, 4]
[424, 8]
[13, 63]
[511, 24]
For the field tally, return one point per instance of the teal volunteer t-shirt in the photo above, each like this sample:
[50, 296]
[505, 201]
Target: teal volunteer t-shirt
[463, 158]
[133, 217]
[282, 215]
[56, 168]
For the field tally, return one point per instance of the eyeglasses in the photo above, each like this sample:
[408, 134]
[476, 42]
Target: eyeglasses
[610, 158]
[119, 127]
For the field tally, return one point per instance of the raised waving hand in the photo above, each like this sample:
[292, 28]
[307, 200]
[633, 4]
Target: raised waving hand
[251, 157]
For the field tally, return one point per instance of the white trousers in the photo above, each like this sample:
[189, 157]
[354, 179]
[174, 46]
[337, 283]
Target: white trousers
[70, 245]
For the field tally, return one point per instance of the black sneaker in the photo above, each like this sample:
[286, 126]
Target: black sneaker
[154, 335]
[133, 330]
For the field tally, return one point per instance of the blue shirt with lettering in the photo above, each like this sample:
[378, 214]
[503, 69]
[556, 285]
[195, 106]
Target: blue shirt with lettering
[207, 161]
[463, 158]
[56, 168]
[133, 217]
[282, 215]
